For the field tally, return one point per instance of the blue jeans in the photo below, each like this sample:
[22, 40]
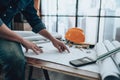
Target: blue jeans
[12, 60]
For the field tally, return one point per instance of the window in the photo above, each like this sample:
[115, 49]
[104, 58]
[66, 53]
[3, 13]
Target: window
[109, 20]
[98, 18]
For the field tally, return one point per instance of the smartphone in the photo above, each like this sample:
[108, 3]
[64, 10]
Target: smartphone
[82, 62]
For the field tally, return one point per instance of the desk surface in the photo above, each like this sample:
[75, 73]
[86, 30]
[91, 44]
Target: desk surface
[63, 69]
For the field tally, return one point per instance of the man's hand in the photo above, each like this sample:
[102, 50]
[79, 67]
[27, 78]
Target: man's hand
[29, 45]
[60, 46]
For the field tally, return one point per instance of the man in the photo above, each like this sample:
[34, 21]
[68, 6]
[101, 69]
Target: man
[11, 54]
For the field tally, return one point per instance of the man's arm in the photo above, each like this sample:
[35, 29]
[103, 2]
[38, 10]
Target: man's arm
[38, 26]
[6, 33]
[33, 19]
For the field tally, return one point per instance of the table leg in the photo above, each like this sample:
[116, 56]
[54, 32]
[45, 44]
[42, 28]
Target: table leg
[46, 74]
[30, 73]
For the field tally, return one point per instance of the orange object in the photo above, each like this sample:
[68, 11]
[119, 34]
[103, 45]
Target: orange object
[75, 35]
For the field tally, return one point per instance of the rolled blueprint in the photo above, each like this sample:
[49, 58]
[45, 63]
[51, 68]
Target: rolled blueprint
[35, 38]
[29, 35]
[26, 33]
[117, 56]
[110, 47]
[106, 66]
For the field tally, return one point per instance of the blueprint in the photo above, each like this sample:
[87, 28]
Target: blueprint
[51, 54]
[105, 67]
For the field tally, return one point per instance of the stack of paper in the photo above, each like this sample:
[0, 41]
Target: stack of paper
[51, 54]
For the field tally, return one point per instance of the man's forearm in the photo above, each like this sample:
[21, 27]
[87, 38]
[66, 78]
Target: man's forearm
[6, 33]
[46, 34]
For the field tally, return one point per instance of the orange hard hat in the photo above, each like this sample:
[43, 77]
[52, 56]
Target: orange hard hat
[75, 35]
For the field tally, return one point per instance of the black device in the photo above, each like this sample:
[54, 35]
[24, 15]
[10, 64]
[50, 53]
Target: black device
[82, 62]
[85, 60]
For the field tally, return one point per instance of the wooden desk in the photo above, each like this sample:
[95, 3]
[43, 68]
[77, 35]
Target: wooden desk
[45, 65]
